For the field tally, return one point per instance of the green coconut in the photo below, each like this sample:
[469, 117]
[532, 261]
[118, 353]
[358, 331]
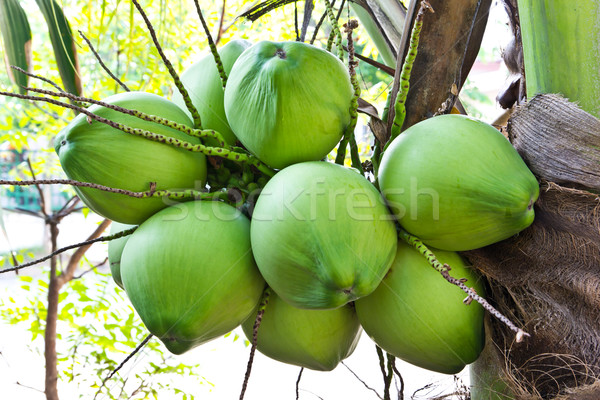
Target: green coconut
[203, 83]
[416, 315]
[189, 273]
[288, 102]
[314, 339]
[115, 249]
[322, 235]
[457, 183]
[94, 152]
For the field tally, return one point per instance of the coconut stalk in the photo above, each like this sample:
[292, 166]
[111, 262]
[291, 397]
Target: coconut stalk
[561, 49]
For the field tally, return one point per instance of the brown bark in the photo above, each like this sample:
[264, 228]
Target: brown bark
[67, 275]
[559, 141]
[449, 44]
[51, 380]
[55, 284]
[547, 278]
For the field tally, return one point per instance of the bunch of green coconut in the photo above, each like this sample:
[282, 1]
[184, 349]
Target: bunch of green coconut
[320, 236]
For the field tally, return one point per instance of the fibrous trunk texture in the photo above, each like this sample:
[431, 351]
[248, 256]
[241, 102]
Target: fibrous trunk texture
[547, 278]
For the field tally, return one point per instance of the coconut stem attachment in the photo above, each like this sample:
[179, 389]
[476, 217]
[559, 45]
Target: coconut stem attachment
[444, 269]
[259, 315]
[400, 103]
[73, 246]
[184, 93]
[335, 32]
[213, 47]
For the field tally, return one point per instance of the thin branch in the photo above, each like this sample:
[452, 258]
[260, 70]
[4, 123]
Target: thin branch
[91, 269]
[298, 383]
[261, 311]
[17, 382]
[297, 31]
[69, 204]
[399, 375]
[39, 189]
[386, 394]
[221, 22]
[71, 209]
[428, 386]
[318, 26]
[184, 93]
[50, 113]
[361, 381]
[390, 375]
[73, 246]
[30, 213]
[80, 252]
[114, 371]
[29, 74]
[384, 68]
[28, 387]
[104, 67]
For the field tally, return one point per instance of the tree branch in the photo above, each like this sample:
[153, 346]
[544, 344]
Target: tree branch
[114, 371]
[104, 67]
[50, 356]
[63, 249]
[80, 252]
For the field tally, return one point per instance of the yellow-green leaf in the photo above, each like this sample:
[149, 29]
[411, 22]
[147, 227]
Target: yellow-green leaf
[63, 44]
[16, 38]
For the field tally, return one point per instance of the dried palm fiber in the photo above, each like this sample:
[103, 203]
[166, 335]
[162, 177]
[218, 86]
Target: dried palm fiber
[547, 278]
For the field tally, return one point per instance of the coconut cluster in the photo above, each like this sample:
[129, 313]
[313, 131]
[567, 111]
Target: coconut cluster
[320, 236]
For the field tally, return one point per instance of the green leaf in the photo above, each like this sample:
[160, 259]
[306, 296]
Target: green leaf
[16, 36]
[63, 45]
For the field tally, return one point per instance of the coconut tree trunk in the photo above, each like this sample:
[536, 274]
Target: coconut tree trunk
[546, 279]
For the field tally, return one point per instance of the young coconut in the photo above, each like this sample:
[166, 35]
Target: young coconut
[314, 339]
[115, 250]
[457, 183]
[189, 273]
[203, 83]
[91, 151]
[416, 315]
[288, 102]
[322, 235]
